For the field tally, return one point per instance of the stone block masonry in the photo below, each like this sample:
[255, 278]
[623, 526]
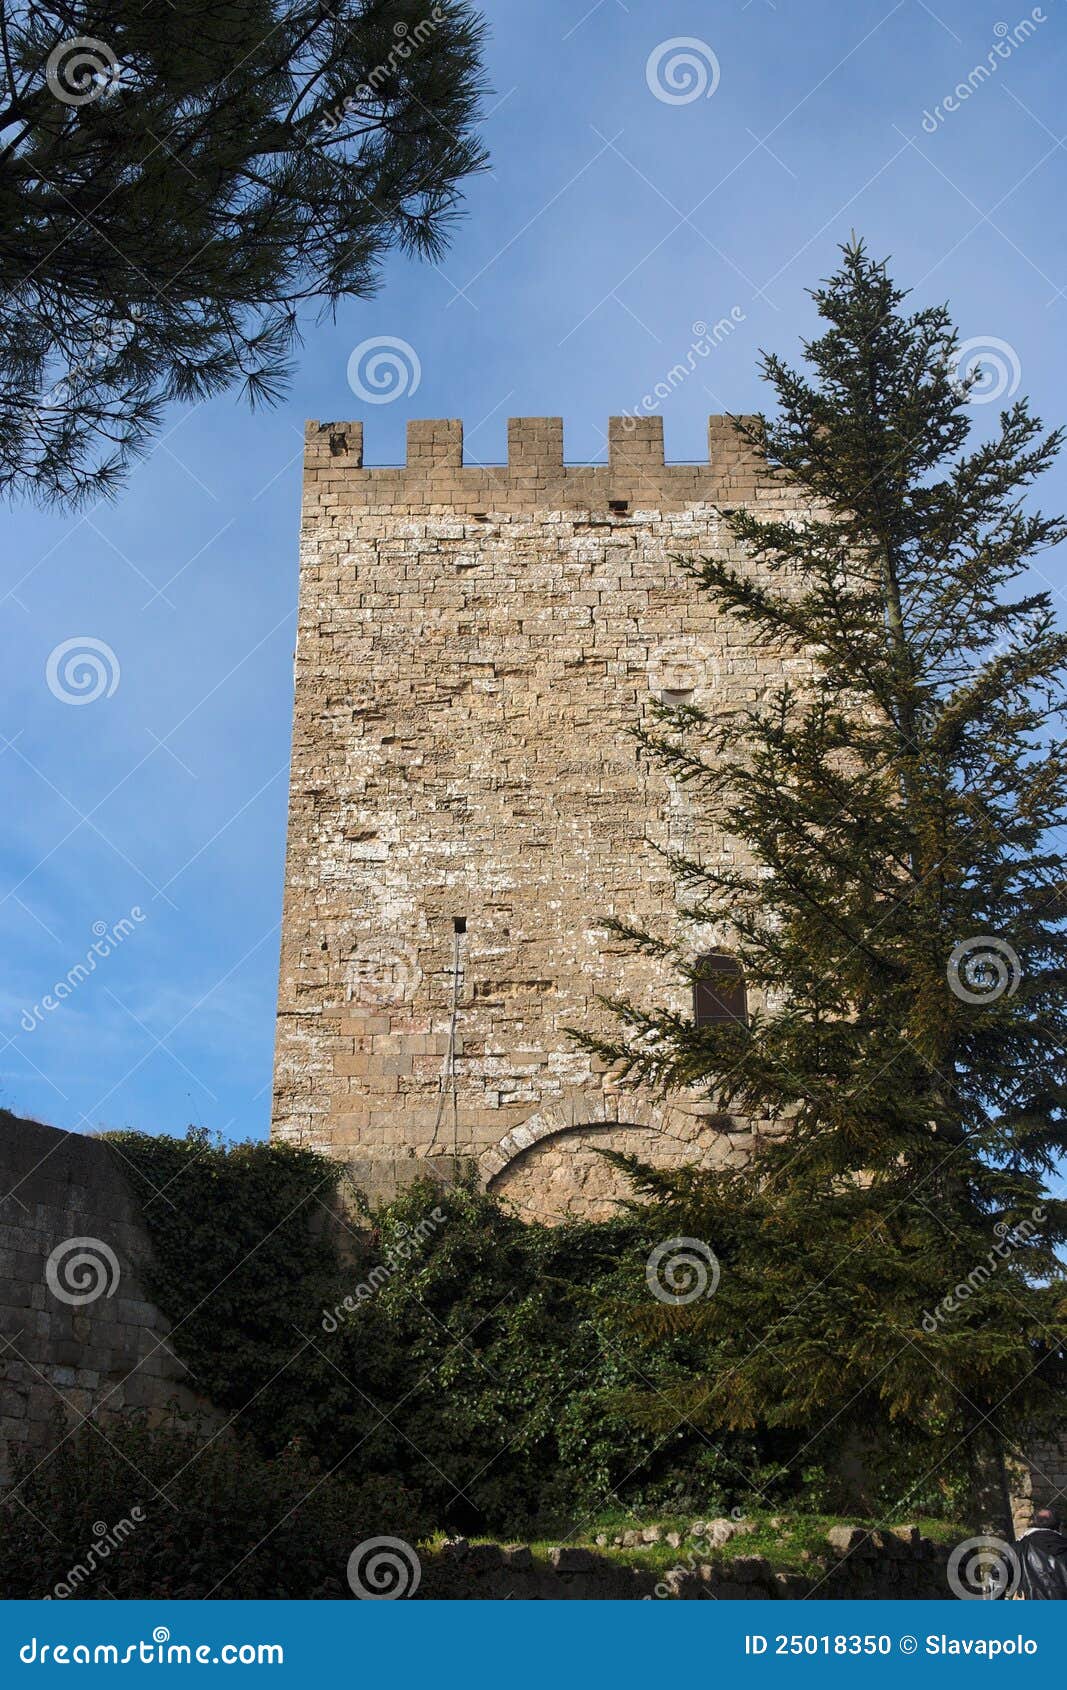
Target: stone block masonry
[79, 1335]
[1040, 1481]
[467, 801]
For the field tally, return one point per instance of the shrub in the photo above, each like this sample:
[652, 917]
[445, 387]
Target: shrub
[131, 1511]
[243, 1253]
[486, 1364]
[475, 1358]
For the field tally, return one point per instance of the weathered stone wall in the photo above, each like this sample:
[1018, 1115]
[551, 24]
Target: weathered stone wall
[474, 644]
[1041, 1480]
[78, 1335]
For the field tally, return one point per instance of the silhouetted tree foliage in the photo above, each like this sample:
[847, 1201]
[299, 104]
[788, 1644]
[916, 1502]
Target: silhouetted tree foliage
[176, 182]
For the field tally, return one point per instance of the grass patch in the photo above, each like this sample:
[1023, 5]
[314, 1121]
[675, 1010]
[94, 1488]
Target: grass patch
[790, 1542]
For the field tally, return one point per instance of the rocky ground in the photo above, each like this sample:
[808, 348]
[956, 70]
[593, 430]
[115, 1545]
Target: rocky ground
[723, 1559]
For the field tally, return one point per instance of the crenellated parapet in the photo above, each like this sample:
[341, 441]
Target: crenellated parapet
[436, 474]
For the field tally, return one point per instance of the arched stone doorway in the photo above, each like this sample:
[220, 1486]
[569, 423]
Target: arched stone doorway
[549, 1168]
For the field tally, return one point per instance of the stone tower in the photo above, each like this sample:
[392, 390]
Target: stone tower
[467, 804]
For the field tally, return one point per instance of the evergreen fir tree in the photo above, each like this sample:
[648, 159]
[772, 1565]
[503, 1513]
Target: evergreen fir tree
[897, 908]
[180, 181]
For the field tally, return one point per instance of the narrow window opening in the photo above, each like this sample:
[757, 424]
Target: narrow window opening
[719, 993]
[459, 924]
[619, 506]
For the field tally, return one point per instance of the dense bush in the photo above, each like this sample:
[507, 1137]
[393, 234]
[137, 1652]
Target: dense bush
[242, 1246]
[513, 1352]
[487, 1364]
[479, 1358]
[498, 1344]
[140, 1512]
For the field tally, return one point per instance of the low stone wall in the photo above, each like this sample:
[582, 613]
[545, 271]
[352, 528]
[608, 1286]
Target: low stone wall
[895, 1565]
[78, 1335]
[1042, 1481]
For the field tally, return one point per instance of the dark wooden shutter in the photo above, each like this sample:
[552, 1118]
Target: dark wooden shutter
[721, 995]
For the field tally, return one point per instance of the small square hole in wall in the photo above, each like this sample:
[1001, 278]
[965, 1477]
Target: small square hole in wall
[619, 506]
[459, 924]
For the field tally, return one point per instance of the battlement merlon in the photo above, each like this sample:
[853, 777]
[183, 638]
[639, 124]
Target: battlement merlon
[535, 476]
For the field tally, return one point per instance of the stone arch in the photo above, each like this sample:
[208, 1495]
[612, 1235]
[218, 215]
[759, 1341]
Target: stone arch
[549, 1169]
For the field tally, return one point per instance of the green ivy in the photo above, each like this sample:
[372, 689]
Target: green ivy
[441, 1343]
[243, 1249]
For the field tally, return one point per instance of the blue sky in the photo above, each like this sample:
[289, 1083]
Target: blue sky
[612, 221]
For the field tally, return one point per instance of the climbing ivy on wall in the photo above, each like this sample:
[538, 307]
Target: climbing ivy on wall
[245, 1254]
[439, 1341]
